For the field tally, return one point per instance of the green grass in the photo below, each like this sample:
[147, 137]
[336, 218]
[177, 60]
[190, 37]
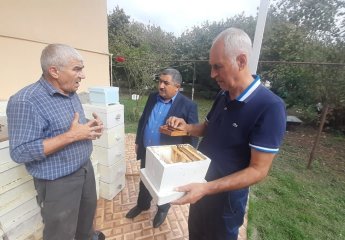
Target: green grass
[296, 203]
[133, 111]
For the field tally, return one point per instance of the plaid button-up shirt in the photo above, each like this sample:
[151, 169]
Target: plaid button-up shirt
[38, 112]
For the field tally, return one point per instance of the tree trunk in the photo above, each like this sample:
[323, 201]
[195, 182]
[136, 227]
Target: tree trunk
[317, 139]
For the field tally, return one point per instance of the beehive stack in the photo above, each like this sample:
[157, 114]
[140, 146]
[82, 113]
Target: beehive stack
[109, 149]
[20, 216]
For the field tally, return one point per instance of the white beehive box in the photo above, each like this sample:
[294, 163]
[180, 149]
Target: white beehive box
[110, 174]
[19, 214]
[30, 229]
[104, 95]
[109, 156]
[12, 174]
[111, 115]
[111, 137]
[16, 196]
[110, 190]
[5, 160]
[167, 168]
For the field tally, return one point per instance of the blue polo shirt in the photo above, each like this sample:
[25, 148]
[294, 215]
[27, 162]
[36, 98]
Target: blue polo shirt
[255, 119]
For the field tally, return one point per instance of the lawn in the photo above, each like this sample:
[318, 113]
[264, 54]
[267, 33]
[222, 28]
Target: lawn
[296, 203]
[292, 202]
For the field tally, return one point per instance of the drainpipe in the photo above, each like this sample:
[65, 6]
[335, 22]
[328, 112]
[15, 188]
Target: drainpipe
[111, 69]
[259, 32]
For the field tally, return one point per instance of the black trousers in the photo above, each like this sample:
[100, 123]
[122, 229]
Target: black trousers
[68, 205]
[144, 197]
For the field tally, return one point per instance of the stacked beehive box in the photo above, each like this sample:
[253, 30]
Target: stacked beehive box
[20, 216]
[109, 149]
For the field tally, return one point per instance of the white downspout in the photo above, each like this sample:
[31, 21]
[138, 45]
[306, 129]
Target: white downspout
[259, 32]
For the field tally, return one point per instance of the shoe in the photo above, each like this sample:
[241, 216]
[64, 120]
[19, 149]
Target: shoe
[159, 218]
[134, 212]
[97, 235]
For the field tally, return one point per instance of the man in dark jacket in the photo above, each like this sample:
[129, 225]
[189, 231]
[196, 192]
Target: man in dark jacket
[160, 106]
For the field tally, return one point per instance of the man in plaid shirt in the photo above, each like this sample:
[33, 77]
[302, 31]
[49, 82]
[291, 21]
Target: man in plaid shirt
[49, 133]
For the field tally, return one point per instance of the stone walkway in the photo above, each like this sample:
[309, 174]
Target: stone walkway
[110, 216]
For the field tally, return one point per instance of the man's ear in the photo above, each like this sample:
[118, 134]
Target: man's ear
[242, 61]
[53, 71]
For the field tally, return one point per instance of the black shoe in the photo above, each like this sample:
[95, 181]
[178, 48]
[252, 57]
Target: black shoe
[97, 235]
[134, 212]
[159, 218]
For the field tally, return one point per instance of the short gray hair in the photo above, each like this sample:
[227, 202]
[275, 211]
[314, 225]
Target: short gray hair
[236, 42]
[175, 75]
[58, 55]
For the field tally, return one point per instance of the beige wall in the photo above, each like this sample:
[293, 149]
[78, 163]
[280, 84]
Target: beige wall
[27, 26]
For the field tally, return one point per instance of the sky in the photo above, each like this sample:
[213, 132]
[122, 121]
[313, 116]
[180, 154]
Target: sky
[179, 15]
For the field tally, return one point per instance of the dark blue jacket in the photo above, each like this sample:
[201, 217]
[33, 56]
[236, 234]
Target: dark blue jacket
[182, 107]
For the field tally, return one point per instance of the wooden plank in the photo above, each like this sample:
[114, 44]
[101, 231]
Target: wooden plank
[172, 132]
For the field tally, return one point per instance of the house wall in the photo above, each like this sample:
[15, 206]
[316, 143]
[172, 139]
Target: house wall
[27, 26]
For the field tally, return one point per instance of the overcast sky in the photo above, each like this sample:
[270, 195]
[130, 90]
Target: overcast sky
[179, 15]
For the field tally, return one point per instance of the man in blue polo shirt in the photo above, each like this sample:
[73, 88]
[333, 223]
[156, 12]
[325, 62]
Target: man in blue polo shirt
[160, 106]
[241, 135]
[49, 133]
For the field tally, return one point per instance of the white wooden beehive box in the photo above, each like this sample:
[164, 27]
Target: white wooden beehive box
[15, 197]
[11, 174]
[110, 156]
[5, 160]
[30, 229]
[104, 95]
[111, 115]
[110, 174]
[19, 214]
[110, 190]
[111, 137]
[170, 166]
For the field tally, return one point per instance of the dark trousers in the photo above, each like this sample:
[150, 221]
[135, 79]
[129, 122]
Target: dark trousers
[68, 205]
[144, 198]
[217, 217]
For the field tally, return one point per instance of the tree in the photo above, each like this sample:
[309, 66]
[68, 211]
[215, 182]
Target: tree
[195, 44]
[142, 46]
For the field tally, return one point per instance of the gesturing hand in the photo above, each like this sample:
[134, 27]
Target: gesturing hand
[98, 122]
[91, 130]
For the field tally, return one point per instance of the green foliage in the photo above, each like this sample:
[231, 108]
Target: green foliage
[142, 46]
[195, 44]
[298, 31]
[322, 18]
